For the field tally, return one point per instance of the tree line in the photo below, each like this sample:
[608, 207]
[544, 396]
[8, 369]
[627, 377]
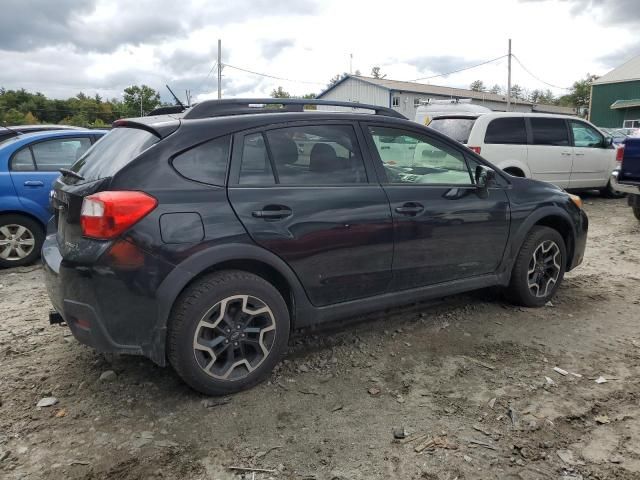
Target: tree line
[578, 95]
[19, 107]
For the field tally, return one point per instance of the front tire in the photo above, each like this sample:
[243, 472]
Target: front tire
[539, 268]
[227, 331]
[610, 192]
[21, 239]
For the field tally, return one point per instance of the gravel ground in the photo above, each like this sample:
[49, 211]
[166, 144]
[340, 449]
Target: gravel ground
[464, 377]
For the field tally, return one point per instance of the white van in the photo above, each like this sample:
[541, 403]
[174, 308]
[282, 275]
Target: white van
[566, 151]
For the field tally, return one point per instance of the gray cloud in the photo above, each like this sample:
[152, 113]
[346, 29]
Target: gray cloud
[440, 63]
[273, 48]
[26, 26]
[613, 11]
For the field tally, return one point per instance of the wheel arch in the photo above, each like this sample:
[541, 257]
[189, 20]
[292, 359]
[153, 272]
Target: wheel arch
[22, 213]
[515, 165]
[245, 257]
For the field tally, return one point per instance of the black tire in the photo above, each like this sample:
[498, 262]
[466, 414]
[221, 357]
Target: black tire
[636, 212]
[609, 192]
[519, 290]
[204, 300]
[11, 253]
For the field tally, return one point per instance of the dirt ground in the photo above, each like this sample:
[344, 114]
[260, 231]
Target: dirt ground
[464, 377]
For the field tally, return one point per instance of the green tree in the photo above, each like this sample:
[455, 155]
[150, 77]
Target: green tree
[478, 86]
[335, 79]
[140, 100]
[280, 93]
[580, 93]
[30, 119]
[496, 89]
[376, 73]
[13, 117]
[517, 92]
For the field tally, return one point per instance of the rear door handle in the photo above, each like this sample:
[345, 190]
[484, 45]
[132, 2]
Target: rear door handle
[579, 154]
[33, 183]
[273, 212]
[410, 208]
[565, 153]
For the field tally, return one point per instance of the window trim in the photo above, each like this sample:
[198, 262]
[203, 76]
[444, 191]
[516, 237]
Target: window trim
[236, 156]
[14, 154]
[382, 174]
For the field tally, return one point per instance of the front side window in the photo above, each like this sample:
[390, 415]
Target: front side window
[316, 155]
[412, 158]
[52, 155]
[205, 163]
[585, 135]
[549, 131]
[506, 131]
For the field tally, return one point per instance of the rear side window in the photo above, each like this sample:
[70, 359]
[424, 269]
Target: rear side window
[52, 155]
[509, 131]
[457, 128]
[113, 152]
[316, 155]
[255, 167]
[22, 161]
[550, 131]
[205, 163]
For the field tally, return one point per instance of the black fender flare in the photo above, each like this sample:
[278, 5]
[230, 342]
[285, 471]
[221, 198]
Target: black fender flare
[196, 264]
[520, 234]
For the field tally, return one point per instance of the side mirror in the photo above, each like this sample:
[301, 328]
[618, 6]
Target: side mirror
[608, 142]
[485, 177]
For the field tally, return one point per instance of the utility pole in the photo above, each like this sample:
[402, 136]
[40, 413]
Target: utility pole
[219, 69]
[351, 63]
[141, 112]
[509, 80]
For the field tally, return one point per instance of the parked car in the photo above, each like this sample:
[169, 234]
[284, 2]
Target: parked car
[627, 177]
[426, 113]
[616, 135]
[15, 130]
[29, 163]
[202, 239]
[566, 151]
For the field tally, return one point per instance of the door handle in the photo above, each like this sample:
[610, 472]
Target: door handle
[33, 183]
[565, 153]
[579, 154]
[273, 212]
[410, 208]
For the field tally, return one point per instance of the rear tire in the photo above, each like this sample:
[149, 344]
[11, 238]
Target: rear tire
[636, 212]
[539, 268]
[227, 331]
[21, 239]
[610, 192]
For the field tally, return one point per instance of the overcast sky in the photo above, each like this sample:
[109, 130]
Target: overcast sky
[61, 47]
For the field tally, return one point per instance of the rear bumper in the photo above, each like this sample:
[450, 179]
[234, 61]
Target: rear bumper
[623, 187]
[106, 309]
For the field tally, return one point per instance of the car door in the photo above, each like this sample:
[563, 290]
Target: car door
[305, 193]
[35, 167]
[594, 158]
[550, 153]
[445, 227]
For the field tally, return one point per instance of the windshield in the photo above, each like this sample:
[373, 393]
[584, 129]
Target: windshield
[456, 128]
[113, 152]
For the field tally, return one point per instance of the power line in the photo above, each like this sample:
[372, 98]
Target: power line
[273, 76]
[537, 78]
[460, 70]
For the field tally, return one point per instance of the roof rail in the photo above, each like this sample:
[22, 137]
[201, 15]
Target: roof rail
[242, 106]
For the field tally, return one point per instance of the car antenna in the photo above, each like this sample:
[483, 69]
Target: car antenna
[11, 130]
[176, 98]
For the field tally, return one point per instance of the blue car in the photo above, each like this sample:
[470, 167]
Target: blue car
[29, 164]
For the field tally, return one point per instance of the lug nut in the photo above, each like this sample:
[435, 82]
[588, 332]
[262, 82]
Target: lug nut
[226, 341]
[235, 344]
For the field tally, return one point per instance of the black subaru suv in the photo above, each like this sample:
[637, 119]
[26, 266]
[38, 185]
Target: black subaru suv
[201, 239]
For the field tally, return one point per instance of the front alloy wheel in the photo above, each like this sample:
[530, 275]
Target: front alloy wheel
[544, 268]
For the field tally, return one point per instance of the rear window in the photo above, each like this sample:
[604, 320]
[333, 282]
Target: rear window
[113, 152]
[510, 131]
[456, 128]
[205, 163]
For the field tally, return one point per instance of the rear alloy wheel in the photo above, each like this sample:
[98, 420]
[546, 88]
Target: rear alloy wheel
[539, 268]
[20, 240]
[227, 332]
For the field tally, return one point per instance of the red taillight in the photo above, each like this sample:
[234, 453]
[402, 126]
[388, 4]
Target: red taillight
[620, 154]
[475, 149]
[106, 215]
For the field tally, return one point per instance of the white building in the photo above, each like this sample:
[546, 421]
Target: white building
[405, 97]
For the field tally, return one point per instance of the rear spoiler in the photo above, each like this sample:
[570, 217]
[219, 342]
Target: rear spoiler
[161, 126]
